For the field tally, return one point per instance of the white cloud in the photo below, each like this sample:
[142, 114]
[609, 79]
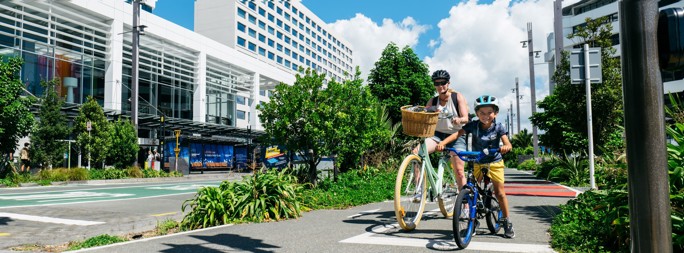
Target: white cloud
[479, 45]
[368, 38]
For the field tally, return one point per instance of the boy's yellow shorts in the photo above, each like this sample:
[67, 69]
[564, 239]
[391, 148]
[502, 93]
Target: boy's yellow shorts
[496, 171]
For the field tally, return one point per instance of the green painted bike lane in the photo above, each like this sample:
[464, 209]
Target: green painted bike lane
[57, 197]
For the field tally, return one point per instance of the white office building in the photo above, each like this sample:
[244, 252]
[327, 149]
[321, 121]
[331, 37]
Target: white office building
[283, 33]
[207, 87]
[574, 16]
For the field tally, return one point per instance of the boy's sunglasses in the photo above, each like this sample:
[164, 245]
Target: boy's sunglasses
[441, 83]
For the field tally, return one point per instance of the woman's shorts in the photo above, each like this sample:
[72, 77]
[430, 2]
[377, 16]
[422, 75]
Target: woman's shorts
[459, 144]
[496, 171]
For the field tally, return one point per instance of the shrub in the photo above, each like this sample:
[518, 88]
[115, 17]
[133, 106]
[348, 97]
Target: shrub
[545, 168]
[272, 195]
[528, 165]
[134, 172]
[97, 241]
[78, 174]
[355, 187]
[596, 221]
[572, 169]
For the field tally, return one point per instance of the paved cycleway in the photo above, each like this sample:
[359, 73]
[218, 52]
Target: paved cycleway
[371, 228]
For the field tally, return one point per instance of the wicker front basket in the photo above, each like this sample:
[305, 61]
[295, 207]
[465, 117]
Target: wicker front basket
[418, 124]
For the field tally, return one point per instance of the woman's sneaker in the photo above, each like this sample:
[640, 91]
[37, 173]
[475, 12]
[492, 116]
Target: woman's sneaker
[508, 228]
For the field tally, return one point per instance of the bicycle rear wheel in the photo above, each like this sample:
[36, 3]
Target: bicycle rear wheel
[409, 193]
[464, 218]
[449, 192]
[494, 213]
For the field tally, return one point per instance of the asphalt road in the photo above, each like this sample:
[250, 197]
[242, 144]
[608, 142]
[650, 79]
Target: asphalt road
[59, 214]
[372, 228]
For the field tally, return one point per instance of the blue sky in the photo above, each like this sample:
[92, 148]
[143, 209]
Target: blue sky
[478, 42]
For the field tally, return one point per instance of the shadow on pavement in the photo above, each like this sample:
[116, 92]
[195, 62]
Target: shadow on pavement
[220, 243]
[4, 221]
[544, 213]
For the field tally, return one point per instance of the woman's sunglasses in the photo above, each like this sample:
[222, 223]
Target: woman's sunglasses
[441, 83]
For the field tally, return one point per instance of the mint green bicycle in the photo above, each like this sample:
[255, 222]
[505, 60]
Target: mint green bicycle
[411, 188]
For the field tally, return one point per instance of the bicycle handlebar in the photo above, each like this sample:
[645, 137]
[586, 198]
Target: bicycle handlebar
[472, 156]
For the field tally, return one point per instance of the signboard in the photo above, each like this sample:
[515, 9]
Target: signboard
[577, 65]
[274, 156]
[241, 157]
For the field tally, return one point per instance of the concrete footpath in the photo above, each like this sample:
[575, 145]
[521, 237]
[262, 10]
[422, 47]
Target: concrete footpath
[372, 228]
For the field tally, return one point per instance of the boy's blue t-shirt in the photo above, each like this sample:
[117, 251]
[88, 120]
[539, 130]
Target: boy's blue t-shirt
[486, 138]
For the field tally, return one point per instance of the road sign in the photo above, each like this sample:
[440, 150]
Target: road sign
[577, 63]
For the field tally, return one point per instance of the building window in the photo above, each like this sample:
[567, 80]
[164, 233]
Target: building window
[241, 12]
[241, 27]
[271, 17]
[252, 19]
[262, 38]
[241, 41]
[279, 47]
[262, 92]
[270, 55]
[240, 114]
[279, 11]
[252, 33]
[240, 100]
[262, 25]
[271, 30]
[262, 12]
[270, 4]
[262, 51]
[279, 22]
[251, 5]
[279, 35]
[270, 42]
[279, 59]
[251, 46]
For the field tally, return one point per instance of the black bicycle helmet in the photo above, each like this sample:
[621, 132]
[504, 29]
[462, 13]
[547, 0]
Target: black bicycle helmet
[440, 74]
[485, 100]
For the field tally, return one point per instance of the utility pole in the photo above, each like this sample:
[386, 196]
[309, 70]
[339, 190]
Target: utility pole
[135, 54]
[510, 109]
[647, 175]
[533, 96]
[517, 99]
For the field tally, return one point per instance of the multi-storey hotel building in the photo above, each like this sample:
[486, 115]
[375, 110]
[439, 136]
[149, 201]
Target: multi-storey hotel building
[207, 87]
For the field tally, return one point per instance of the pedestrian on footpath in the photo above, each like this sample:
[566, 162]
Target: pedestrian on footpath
[25, 158]
[150, 159]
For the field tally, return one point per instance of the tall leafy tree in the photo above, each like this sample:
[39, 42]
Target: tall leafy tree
[522, 139]
[400, 78]
[49, 135]
[16, 119]
[357, 124]
[564, 118]
[296, 117]
[123, 148]
[93, 145]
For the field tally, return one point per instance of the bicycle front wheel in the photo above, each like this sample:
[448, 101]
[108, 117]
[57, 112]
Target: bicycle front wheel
[449, 193]
[409, 193]
[494, 213]
[464, 218]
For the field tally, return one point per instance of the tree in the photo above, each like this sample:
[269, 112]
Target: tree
[400, 78]
[522, 139]
[357, 124]
[48, 146]
[94, 144]
[295, 117]
[564, 117]
[124, 148]
[16, 119]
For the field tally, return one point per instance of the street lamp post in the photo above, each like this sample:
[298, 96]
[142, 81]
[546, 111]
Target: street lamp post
[134, 65]
[533, 97]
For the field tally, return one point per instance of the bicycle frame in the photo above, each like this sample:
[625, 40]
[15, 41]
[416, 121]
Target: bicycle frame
[434, 178]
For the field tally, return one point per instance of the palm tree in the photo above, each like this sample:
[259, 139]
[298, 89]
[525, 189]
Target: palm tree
[522, 139]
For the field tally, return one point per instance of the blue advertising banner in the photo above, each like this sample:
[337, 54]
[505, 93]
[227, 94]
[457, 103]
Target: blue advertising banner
[274, 156]
[241, 157]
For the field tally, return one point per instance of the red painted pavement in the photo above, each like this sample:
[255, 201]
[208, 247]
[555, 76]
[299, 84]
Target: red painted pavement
[542, 189]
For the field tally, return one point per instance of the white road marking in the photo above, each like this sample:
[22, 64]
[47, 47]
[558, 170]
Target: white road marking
[179, 187]
[49, 219]
[362, 213]
[369, 238]
[64, 195]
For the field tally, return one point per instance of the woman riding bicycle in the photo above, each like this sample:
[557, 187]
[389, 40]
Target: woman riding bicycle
[449, 102]
[487, 134]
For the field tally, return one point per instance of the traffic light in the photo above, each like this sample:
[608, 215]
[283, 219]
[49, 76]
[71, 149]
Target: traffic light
[671, 39]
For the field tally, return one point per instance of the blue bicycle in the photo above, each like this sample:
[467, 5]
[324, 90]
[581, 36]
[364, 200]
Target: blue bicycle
[475, 201]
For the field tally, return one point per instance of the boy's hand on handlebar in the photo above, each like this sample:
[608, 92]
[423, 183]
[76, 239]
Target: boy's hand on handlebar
[505, 149]
[440, 147]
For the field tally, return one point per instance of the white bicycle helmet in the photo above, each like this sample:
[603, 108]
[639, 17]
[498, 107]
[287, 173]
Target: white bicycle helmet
[487, 100]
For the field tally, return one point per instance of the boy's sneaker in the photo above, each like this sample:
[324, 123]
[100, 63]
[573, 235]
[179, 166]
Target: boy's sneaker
[508, 228]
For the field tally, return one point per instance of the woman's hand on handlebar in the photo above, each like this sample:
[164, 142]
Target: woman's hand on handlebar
[505, 149]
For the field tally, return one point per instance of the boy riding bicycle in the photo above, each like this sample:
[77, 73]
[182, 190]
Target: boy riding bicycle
[487, 134]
